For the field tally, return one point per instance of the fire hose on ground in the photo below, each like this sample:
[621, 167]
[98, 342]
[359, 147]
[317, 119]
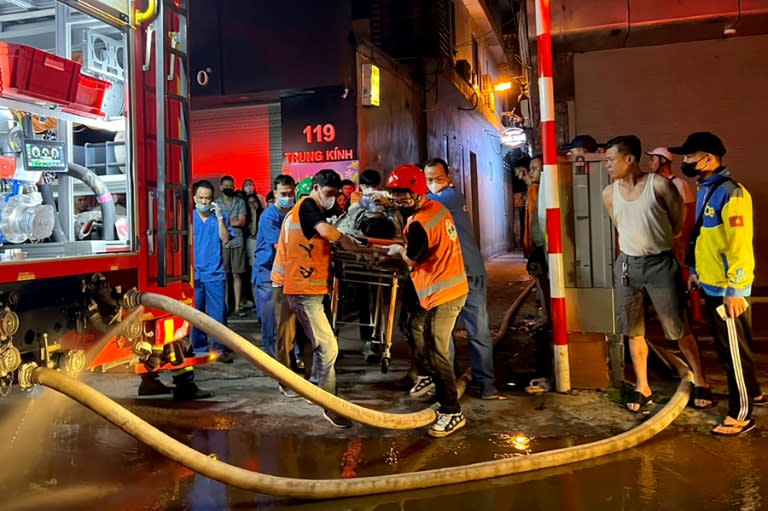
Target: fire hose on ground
[339, 488]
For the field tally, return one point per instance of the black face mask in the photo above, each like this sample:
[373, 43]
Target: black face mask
[689, 168]
[229, 192]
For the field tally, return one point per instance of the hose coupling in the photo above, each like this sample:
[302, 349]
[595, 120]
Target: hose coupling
[132, 298]
[26, 376]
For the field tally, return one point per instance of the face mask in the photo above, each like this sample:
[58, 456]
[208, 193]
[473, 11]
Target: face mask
[285, 202]
[248, 189]
[203, 208]
[327, 202]
[434, 188]
[229, 192]
[689, 168]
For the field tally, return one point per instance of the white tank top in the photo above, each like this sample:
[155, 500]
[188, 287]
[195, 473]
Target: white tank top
[643, 224]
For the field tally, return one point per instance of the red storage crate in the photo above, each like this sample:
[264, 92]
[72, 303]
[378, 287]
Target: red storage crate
[90, 96]
[29, 73]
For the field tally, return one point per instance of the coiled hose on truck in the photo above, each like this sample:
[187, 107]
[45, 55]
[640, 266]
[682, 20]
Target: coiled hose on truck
[333, 488]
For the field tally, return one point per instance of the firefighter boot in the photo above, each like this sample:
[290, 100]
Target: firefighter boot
[186, 389]
[152, 386]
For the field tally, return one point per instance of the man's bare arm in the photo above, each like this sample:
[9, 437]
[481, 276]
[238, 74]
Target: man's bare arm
[671, 200]
[608, 201]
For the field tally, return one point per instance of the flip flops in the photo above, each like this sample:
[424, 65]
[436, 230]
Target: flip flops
[736, 429]
[702, 393]
[641, 400]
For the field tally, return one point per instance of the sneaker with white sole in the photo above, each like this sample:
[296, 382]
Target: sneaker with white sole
[289, 393]
[446, 424]
[338, 421]
[423, 386]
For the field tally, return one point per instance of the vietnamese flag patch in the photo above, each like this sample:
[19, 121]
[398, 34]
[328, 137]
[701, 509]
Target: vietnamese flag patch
[736, 221]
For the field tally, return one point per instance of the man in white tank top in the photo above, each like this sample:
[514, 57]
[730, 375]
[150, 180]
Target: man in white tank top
[661, 165]
[648, 213]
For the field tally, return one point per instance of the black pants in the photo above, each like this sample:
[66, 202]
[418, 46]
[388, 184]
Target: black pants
[735, 354]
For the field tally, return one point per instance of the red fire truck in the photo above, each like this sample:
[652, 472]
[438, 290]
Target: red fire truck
[94, 182]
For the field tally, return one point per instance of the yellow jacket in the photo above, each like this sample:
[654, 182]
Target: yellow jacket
[725, 259]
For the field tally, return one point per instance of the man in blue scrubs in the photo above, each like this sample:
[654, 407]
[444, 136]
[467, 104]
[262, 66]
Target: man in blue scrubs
[210, 233]
[284, 190]
[474, 314]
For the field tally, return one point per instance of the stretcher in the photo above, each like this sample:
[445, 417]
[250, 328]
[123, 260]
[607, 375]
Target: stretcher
[369, 265]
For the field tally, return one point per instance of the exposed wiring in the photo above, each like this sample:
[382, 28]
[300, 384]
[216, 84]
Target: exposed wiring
[629, 21]
[738, 16]
[495, 135]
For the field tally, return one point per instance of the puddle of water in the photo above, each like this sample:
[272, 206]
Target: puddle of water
[81, 462]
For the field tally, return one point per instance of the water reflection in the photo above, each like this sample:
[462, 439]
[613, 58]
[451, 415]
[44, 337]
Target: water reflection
[83, 463]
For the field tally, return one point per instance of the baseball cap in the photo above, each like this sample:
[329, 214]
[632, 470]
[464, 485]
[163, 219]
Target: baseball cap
[585, 141]
[703, 141]
[660, 151]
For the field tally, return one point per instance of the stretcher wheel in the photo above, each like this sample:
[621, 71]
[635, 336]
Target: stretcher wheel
[385, 364]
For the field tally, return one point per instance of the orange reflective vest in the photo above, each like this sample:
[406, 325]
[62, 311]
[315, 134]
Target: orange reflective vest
[307, 261]
[278, 265]
[441, 277]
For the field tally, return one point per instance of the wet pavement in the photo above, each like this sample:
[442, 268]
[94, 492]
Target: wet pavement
[57, 455]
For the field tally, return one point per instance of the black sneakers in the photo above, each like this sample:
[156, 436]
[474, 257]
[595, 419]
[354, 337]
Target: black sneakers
[153, 387]
[423, 385]
[225, 357]
[446, 424]
[190, 392]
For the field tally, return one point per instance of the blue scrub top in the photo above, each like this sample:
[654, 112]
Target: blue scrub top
[452, 199]
[209, 264]
[269, 233]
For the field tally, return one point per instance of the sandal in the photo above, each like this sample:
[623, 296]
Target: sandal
[735, 427]
[639, 399]
[702, 394]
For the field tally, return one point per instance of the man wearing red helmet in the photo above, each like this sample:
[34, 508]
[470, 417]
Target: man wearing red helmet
[433, 253]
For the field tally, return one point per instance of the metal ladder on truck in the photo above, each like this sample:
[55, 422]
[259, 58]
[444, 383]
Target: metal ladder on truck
[173, 153]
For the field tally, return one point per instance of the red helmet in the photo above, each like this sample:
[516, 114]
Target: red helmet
[410, 177]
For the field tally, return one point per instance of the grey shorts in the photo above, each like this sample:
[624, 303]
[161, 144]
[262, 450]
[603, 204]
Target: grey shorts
[659, 277]
[234, 259]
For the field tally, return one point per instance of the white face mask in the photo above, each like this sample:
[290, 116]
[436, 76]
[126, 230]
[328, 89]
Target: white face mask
[435, 187]
[248, 189]
[327, 202]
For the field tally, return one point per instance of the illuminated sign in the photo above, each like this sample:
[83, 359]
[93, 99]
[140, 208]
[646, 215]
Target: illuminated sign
[319, 127]
[371, 85]
[44, 155]
[513, 137]
[116, 12]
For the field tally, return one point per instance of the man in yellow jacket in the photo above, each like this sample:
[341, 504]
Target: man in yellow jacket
[722, 265]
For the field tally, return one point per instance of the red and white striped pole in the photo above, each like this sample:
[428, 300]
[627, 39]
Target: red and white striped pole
[551, 196]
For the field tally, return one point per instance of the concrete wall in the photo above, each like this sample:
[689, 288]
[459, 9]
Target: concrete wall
[663, 93]
[453, 134]
[391, 133]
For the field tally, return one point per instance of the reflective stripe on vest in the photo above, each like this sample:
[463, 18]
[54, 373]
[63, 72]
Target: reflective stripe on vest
[307, 261]
[278, 265]
[440, 286]
[441, 278]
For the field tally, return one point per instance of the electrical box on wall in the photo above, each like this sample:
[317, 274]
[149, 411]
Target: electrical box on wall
[371, 85]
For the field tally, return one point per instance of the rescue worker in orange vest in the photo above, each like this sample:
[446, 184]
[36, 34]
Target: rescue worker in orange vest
[307, 273]
[433, 253]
